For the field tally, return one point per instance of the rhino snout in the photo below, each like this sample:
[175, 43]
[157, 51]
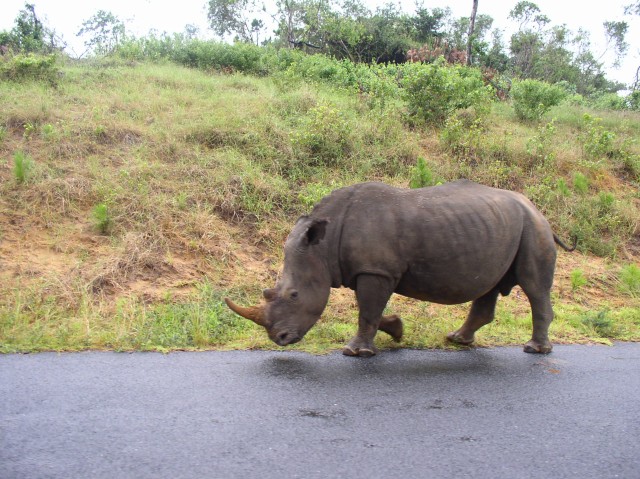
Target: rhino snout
[285, 338]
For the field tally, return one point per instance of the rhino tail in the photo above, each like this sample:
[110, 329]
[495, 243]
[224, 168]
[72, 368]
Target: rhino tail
[560, 243]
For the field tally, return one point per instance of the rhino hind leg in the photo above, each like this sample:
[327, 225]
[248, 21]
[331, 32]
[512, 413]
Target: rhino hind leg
[542, 313]
[373, 293]
[392, 325]
[482, 312]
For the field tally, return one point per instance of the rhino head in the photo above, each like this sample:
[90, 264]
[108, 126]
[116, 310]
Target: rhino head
[297, 301]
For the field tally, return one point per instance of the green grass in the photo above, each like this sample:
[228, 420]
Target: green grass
[146, 193]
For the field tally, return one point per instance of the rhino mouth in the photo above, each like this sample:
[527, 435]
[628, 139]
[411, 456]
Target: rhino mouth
[285, 339]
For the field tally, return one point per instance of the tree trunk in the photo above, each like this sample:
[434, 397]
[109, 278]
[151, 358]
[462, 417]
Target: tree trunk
[472, 26]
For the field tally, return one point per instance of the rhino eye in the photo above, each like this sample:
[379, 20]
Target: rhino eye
[294, 295]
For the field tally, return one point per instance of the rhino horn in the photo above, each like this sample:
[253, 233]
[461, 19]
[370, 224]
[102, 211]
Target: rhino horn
[253, 313]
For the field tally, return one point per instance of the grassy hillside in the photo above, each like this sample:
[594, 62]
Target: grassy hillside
[133, 198]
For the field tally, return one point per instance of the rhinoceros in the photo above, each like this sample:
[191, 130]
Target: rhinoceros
[447, 244]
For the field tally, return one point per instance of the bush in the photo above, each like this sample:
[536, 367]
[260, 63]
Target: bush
[421, 175]
[633, 100]
[22, 166]
[325, 136]
[434, 91]
[596, 141]
[608, 101]
[30, 67]
[533, 98]
[630, 279]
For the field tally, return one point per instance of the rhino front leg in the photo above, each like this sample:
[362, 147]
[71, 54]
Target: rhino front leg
[482, 312]
[373, 293]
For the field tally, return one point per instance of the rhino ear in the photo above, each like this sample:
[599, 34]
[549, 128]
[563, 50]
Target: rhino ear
[316, 231]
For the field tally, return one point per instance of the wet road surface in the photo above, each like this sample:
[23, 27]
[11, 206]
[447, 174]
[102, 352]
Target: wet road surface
[482, 413]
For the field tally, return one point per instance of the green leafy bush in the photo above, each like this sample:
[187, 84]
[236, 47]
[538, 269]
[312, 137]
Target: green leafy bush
[630, 279]
[102, 218]
[434, 91]
[601, 323]
[22, 166]
[324, 136]
[421, 175]
[533, 98]
[578, 280]
[29, 67]
[596, 141]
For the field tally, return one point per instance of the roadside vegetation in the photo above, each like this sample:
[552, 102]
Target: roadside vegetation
[139, 189]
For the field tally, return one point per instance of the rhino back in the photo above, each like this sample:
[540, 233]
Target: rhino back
[448, 244]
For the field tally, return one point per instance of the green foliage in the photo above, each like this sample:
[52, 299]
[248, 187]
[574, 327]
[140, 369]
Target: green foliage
[580, 183]
[596, 141]
[102, 218]
[48, 131]
[630, 279]
[105, 32]
[434, 91]
[540, 147]
[324, 136]
[312, 193]
[30, 34]
[563, 188]
[201, 322]
[421, 175]
[633, 101]
[532, 99]
[30, 67]
[463, 134]
[29, 130]
[601, 323]
[22, 166]
[578, 280]
[602, 223]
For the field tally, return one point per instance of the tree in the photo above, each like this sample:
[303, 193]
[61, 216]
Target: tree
[106, 32]
[472, 24]
[615, 33]
[428, 26]
[634, 9]
[236, 17]
[30, 34]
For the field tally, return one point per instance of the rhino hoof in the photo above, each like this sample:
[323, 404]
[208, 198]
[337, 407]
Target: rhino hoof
[392, 325]
[456, 337]
[360, 352]
[535, 347]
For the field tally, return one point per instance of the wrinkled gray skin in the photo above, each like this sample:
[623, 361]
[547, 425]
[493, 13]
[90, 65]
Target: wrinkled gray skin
[446, 244]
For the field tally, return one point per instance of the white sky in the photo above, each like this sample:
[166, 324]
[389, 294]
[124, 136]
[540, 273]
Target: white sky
[140, 16]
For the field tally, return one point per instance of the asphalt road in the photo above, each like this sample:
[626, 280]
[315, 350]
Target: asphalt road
[483, 413]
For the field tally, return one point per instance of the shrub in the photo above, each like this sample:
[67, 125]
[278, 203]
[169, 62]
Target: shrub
[540, 147]
[633, 100]
[210, 55]
[630, 279]
[608, 101]
[30, 67]
[601, 323]
[463, 135]
[578, 280]
[580, 183]
[421, 175]
[596, 141]
[102, 218]
[533, 98]
[324, 136]
[434, 91]
[22, 166]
